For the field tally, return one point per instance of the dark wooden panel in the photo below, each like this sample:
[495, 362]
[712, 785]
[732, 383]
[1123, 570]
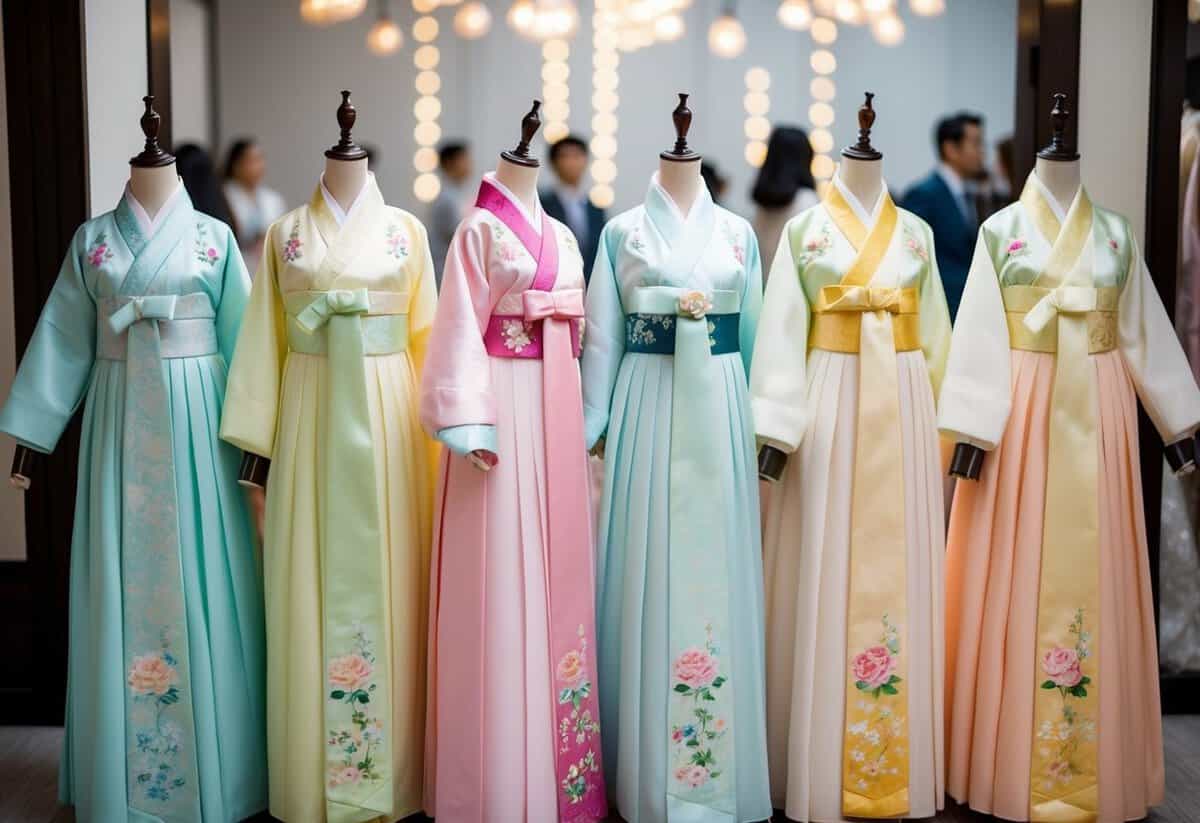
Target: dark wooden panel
[1047, 62]
[158, 62]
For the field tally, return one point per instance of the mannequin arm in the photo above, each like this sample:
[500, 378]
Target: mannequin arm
[254, 471]
[1181, 455]
[25, 462]
[967, 462]
[771, 462]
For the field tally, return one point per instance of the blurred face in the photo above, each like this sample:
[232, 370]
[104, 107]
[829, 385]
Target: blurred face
[458, 167]
[250, 167]
[966, 156]
[570, 163]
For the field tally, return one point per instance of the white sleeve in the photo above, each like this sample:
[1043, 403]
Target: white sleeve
[976, 393]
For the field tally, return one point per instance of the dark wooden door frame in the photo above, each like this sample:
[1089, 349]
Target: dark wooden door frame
[1048, 33]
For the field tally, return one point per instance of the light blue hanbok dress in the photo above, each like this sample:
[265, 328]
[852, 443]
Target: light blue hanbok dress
[672, 310]
[165, 695]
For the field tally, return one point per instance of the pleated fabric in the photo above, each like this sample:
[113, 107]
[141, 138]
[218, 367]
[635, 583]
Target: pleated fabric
[807, 564]
[296, 679]
[993, 571]
[635, 587]
[223, 604]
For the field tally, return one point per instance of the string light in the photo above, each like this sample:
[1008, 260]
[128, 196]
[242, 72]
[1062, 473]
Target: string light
[473, 20]
[757, 103]
[428, 108]
[385, 37]
[544, 19]
[726, 37]
[888, 29]
[328, 12]
[823, 90]
[823, 31]
[605, 79]
[927, 8]
[555, 91]
[795, 14]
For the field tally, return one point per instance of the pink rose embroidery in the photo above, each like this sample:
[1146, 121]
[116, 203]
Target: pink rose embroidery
[99, 253]
[571, 669]
[873, 667]
[151, 674]
[343, 775]
[204, 252]
[291, 249]
[397, 242]
[1062, 666]
[1017, 246]
[349, 672]
[915, 247]
[696, 668]
[692, 776]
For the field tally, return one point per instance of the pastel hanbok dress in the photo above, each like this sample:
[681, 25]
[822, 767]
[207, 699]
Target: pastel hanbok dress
[672, 310]
[514, 732]
[852, 343]
[1052, 677]
[324, 384]
[165, 693]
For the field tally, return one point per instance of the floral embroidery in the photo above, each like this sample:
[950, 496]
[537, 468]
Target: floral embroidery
[153, 678]
[291, 249]
[397, 242]
[875, 737]
[579, 727]
[354, 746]
[1063, 668]
[204, 252]
[1112, 244]
[816, 247]
[712, 330]
[638, 329]
[635, 240]
[694, 304]
[735, 242]
[1017, 246]
[915, 247]
[696, 673]
[516, 334]
[99, 253]
[576, 784]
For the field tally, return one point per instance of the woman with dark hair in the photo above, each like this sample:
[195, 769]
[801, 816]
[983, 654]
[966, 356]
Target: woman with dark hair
[784, 187]
[199, 177]
[255, 207]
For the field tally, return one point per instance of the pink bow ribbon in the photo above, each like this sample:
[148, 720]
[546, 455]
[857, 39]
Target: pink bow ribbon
[553, 305]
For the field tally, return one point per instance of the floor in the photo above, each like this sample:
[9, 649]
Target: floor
[29, 774]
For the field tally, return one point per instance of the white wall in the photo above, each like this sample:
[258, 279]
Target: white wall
[115, 64]
[278, 80]
[1114, 104]
[191, 75]
[12, 504]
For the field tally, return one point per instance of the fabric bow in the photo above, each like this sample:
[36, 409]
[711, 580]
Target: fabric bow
[555, 305]
[861, 299]
[1063, 300]
[153, 307]
[338, 301]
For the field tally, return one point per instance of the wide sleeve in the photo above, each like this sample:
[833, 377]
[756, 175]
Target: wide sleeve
[976, 394]
[256, 372]
[604, 340]
[935, 318]
[1156, 361]
[235, 292]
[752, 300]
[422, 304]
[456, 386]
[778, 377]
[56, 365]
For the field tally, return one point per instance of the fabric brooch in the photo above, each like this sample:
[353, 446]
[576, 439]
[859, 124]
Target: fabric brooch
[204, 252]
[694, 304]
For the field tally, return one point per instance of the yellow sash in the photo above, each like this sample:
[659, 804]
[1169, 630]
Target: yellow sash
[875, 739]
[1063, 772]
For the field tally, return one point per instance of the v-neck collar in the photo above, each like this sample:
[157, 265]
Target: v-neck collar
[670, 220]
[868, 219]
[1053, 202]
[148, 225]
[534, 218]
[335, 208]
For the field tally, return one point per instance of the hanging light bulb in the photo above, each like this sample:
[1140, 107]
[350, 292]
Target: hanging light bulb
[877, 6]
[849, 12]
[928, 8]
[726, 37]
[385, 36]
[668, 28]
[888, 29]
[328, 12]
[472, 21]
[520, 15]
[825, 8]
[795, 14]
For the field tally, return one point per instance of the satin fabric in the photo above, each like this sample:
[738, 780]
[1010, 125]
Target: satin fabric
[628, 399]
[323, 738]
[165, 698]
[993, 397]
[500, 568]
[806, 403]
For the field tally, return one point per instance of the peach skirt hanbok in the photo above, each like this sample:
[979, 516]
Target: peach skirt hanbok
[993, 568]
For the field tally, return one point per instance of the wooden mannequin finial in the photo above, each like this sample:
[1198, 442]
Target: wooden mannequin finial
[1058, 148]
[863, 150]
[152, 156]
[346, 148]
[530, 123]
[682, 117]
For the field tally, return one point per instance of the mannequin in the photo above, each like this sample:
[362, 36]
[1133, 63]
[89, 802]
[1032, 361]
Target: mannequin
[861, 170]
[152, 180]
[1058, 168]
[679, 167]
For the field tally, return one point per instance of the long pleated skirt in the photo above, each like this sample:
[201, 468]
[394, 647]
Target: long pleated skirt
[635, 587]
[223, 605]
[807, 559]
[993, 574]
[292, 564]
[491, 751]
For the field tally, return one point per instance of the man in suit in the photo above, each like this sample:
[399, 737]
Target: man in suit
[946, 200]
[567, 200]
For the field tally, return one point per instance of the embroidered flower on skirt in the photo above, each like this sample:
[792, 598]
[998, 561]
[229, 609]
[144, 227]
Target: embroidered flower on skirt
[354, 745]
[1058, 743]
[696, 674]
[154, 679]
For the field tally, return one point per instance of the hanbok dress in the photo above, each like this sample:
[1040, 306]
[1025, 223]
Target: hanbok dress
[514, 731]
[165, 693]
[324, 383]
[1052, 687]
[672, 310]
[851, 346]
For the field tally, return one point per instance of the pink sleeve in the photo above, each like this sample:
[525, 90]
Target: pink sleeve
[456, 387]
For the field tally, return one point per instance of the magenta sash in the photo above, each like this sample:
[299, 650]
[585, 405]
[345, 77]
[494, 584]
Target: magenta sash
[569, 555]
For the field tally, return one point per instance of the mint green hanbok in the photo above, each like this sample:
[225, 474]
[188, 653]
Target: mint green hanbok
[165, 696]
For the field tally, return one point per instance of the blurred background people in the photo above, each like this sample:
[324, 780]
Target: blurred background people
[452, 202]
[946, 199]
[199, 177]
[254, 206]
[567, 199]
[717, 183]
[999, 191]
[783, 189]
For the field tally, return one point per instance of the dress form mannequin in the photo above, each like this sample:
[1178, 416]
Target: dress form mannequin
[153, 178]
[861, 171]
[679, 166]
[1058, 168]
